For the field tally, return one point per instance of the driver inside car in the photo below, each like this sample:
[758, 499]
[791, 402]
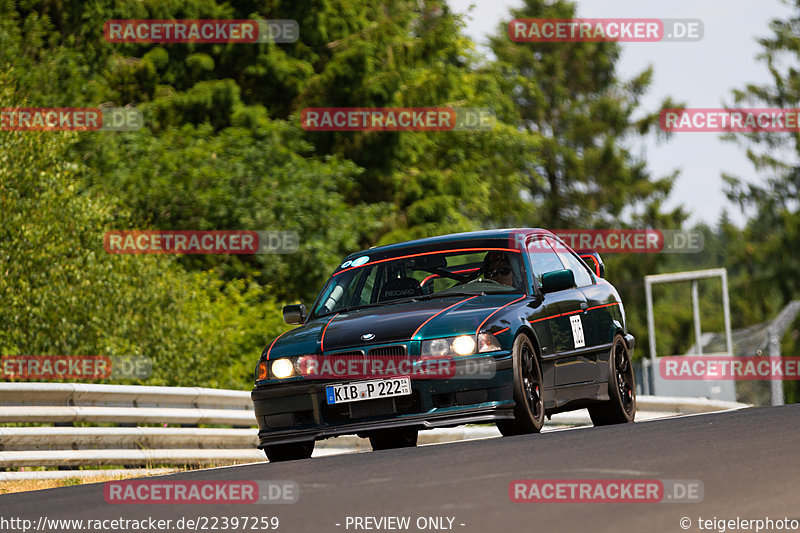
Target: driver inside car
[497, 267]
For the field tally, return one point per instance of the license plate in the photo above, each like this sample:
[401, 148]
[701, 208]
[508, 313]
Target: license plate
[368, 390]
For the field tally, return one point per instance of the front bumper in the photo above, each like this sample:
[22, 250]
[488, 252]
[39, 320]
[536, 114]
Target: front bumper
[298, 411]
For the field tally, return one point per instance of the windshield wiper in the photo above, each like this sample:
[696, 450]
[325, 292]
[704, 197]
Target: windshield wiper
[447, 295]
[354, 308]
[403, 301]
[365, 306]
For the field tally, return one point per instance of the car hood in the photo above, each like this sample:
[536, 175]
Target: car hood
[443, 317]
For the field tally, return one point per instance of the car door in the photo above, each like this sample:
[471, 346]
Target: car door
[570, 359]
[597, 319]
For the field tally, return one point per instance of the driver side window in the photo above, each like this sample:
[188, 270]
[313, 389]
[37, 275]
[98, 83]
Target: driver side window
[579, 270]
[543, 258]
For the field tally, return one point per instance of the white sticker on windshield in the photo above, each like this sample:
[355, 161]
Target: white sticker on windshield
[577, 331]
[346, 264]
[360, 261]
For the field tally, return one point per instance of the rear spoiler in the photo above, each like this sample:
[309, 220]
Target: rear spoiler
[593, 260]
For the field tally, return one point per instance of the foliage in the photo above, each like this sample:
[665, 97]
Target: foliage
[63, 294]
[222, 148]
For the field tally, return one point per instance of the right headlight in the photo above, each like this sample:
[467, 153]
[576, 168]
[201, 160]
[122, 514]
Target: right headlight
[464, 345]
[461, 345]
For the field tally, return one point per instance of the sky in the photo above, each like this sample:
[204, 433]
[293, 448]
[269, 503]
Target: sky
[701, 74]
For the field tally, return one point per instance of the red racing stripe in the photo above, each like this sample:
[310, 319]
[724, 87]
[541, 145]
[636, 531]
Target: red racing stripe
[572, 312]
[493, 312]
[428, 253]
[322, 339]
[439, 313]
[273, 343]
[604, 305]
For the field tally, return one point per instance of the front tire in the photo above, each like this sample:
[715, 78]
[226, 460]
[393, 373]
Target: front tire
[289, 452]
[621, 407]
[528, 398]
[387, 439]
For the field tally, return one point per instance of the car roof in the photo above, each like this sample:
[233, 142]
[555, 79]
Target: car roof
[490, 234]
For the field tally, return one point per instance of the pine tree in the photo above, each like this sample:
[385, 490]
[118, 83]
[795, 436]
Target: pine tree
[570, 94]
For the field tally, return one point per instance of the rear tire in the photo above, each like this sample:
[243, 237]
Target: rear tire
[289, 452]
[528, 398]
[621, 407]
[387, 439]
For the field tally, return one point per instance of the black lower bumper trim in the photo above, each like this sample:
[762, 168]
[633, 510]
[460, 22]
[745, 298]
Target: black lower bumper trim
[425, 421]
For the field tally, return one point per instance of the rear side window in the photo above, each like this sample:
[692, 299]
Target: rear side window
[579, 269]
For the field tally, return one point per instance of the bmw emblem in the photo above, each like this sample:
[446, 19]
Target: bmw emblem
[367, 336]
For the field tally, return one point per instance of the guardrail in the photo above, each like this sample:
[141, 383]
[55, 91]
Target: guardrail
[79, 403]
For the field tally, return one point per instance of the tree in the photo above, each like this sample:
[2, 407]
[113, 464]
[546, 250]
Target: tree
[772, 232]
[222, 148]
[62, 294]
[570, 95]
[766, 254]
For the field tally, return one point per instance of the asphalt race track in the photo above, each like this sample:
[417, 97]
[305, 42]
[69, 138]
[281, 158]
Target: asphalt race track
[746, 460]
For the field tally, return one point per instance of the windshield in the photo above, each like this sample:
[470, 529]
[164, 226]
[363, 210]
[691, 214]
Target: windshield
[362, 283]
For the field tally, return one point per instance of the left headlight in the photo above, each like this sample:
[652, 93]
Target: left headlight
[282, 368]
[461, 345]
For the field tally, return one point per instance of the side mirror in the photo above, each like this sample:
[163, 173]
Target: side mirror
[557, 280]
[294, 314]
[594, 261]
